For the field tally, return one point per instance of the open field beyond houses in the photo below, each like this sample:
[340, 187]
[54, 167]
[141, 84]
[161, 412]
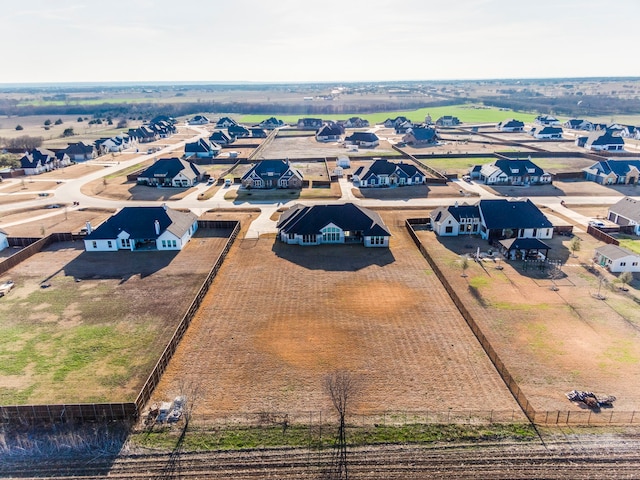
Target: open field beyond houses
[94, 334]
[279, 318]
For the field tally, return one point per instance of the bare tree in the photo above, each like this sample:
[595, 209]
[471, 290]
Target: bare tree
[625, 278]
[341, 386]
[464, 264]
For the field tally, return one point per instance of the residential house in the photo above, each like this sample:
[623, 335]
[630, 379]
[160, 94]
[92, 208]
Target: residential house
[332, 224]
[4, 239]
[143, 134]
[630, 131]
[512, 219]
[403, 127]
[272, 174]
[225, 122]
[455, 220]
[447, 121]
[601, 141]
[421, 136]
[81, 152]
[493, 220]
[171, 172]
[142, 228]
[547, 133]
[310, 123]
[356, 122]
[271, 123]
[611, 172]
[511, 172]
[114, 144]
[578, 124]
[202, 148]
[163, 129]
[383, 173]
[394, 122]
[329, 133]
[617, 259]
[363, 139]
[626, 212]
[40, 160]
[511, 125]
[221, 138]
[163, 118]
[547, 120]
[198, 120]
[238, 131]
[258, 133]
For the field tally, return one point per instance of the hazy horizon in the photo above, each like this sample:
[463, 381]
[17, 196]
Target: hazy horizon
[247, 41]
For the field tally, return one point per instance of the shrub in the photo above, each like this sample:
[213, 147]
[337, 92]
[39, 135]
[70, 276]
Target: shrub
[19, 127]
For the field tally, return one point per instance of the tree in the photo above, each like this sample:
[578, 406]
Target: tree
[625, 279]
[122, 123]
[574, 246]
[47, 122]
[68, 132]
[340, 386]
[79, 119]
[58, 122]
[464, 264]
[19, 127]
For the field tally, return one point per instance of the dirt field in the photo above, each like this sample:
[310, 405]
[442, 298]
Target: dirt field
[564, 188]
[262, 342]
[308, 147]
[52, 220]
[100, 326]
[552, 341]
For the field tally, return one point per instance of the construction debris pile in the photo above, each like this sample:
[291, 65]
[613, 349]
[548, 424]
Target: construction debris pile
[591, 400]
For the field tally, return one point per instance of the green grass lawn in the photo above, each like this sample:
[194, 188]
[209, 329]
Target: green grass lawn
[238, 438]
[630, 244]
[466, 114]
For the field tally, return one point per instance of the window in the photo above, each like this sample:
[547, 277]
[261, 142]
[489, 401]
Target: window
[125, 242]
[448, 229]
[623, 264]
[174, 244]
[292, 236]
[109, 244]
[164, 244]
[634, 264]
[94, 244]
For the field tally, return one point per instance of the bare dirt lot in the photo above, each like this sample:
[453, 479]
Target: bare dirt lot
[96, 331]
[308, 147]
[564, 188]
[552, 341]
[46, 221]
[279, 318]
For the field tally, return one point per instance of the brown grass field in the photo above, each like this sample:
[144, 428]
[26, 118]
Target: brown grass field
[52, 220]
[552, 341]
[279, 318]
[95, 333]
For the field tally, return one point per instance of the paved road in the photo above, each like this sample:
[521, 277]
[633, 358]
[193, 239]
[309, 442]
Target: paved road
[70, 191]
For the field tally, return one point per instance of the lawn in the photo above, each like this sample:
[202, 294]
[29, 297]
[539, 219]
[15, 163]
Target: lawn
[630, 244]
[466, 114]
[95, 332]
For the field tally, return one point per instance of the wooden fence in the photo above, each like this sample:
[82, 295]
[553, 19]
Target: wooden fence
[556, 417]
[602, 236]
[161, 365]
[97, 412]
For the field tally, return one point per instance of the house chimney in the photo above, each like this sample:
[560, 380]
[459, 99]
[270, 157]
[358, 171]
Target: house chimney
[455, 205]
[89, 228]
[156, 224]
[164, 205]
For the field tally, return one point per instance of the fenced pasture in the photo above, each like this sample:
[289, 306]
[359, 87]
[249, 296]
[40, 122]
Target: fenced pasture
[100, 325]
[279, 318]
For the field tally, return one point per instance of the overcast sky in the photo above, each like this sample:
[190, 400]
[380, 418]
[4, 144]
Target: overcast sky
[330, 40]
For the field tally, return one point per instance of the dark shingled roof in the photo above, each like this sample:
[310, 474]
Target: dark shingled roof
[170, 167]
[524, 244]
[502, 214]
[139, 223]
[306, 220]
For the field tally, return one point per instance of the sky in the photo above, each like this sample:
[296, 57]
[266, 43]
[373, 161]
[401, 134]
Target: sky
[301, 41]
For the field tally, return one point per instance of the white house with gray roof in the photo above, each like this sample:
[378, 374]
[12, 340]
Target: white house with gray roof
[626, 212]
[617, 259]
